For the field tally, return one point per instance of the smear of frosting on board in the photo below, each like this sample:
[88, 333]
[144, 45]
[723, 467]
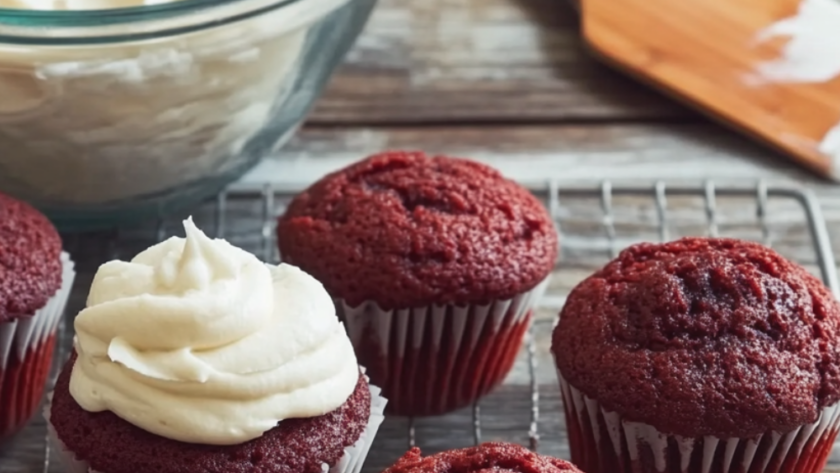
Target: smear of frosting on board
[810, 55]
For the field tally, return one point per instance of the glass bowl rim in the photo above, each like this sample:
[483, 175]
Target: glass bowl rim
[28, 27]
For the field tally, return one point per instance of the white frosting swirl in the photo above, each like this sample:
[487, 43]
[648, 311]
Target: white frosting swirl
[198, 341]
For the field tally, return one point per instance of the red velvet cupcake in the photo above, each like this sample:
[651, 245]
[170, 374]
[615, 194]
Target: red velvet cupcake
[434, 263]
[197, 357]
[35, 281]
[493, 457]
[700, 355]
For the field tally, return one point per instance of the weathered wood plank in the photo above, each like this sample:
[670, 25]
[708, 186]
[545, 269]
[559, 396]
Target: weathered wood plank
[628, 152]
[480, 61]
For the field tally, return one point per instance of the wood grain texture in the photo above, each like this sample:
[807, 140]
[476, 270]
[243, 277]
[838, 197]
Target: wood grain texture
[448, 61]
[527, 153]
[707, 53]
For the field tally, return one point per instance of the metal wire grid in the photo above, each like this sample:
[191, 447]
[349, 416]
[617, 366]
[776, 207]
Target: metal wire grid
[273, 200]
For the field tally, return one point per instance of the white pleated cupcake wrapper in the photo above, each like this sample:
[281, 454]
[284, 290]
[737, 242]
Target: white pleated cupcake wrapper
[20, 336]
[638, 439]
[427, 325]
[352, 461]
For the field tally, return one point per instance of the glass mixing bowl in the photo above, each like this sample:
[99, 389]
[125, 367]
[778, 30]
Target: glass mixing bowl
[110, 116]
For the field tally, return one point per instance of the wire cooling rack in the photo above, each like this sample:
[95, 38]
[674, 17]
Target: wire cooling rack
[596, 220]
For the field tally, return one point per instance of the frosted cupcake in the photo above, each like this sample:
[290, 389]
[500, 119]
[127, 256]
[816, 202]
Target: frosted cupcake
[35, 282]
[196, 357]
[700, 355]
[435, 264]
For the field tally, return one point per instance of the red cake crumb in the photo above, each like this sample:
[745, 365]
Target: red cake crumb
[30, 259]
[112, 445]
[407, 230]
[703, 337]
[493, 457]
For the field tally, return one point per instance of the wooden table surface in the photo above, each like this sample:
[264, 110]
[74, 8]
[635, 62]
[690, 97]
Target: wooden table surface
[507, 82]
[510, 82]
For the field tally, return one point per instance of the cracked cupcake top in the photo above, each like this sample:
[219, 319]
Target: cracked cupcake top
[407, 230]
[491, 457]
[703, 337]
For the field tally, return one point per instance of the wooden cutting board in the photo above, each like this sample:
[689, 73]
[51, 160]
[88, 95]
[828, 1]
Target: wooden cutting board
[733, 60]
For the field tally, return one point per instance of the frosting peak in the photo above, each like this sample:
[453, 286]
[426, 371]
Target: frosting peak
[198, 341]
[199, 263]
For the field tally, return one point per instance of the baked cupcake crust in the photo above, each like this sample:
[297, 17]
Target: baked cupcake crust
[30, 259]
[495, 457]
[407, 230]
[112, 445]
[703, 337]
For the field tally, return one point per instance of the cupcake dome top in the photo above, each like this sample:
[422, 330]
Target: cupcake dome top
[703, 337]
[407, 230]
[493, 457]
[30, 259]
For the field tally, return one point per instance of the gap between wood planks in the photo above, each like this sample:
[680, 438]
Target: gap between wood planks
[501, 121]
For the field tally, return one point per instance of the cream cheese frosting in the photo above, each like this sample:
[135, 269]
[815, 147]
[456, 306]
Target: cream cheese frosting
[198, 341]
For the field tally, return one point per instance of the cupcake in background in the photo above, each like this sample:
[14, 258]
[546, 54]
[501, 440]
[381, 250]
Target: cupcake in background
[196, 356]
[488, 457]
[435, 264]
[35, 282]
[700, 355]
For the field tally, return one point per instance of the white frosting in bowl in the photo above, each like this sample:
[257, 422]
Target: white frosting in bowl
[75, 4]
[198, 341]
[126, 120]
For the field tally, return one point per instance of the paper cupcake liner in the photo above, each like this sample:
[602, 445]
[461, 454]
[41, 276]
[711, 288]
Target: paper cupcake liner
[435, 359]
[352, 461]
[26, 353]
[603, 442]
